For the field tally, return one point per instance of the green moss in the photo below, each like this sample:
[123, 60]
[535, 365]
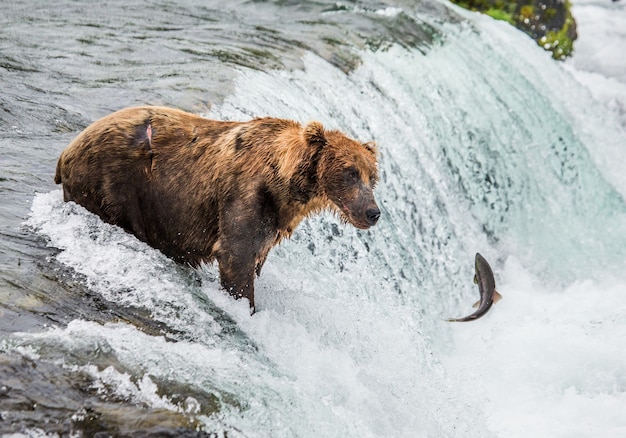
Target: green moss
[499, 14]
[559, 42]
[548, 22]
[527, 11]
[549, 13]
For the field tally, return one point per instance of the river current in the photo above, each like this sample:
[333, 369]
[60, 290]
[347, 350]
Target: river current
[486, 145]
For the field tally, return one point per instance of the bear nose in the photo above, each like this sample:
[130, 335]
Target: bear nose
[372, 215]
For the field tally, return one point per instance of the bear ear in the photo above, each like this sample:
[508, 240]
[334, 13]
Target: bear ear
[371, 146]
[314, 134]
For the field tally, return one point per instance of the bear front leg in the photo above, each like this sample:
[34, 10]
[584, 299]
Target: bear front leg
[237, 273]
[248, 227]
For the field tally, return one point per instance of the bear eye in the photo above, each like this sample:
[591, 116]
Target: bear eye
[352, 174]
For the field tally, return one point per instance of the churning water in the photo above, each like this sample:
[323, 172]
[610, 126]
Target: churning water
[486, 145]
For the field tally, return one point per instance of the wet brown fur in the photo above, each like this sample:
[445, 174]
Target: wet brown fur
[201, 190]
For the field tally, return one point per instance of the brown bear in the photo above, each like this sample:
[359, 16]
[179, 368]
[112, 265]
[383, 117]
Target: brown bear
[201, 190]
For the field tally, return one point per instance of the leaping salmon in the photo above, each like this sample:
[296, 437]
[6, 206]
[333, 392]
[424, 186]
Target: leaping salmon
[483, 277]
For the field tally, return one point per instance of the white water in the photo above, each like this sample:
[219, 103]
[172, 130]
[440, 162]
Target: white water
[599, 62]
[349, 339]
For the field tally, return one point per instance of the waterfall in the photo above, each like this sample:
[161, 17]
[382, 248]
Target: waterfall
[486, 145]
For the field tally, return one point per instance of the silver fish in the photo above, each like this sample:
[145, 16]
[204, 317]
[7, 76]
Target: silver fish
[487, 287]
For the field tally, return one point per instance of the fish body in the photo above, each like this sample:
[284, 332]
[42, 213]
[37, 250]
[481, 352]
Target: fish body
[486, 282]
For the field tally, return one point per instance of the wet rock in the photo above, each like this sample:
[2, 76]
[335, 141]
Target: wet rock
[41, 395]
[549, 22]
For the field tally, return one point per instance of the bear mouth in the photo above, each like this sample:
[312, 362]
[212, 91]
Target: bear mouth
[347, 216]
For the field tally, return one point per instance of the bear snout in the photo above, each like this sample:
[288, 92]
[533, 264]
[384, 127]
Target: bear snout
[372, 215]
[361, 216]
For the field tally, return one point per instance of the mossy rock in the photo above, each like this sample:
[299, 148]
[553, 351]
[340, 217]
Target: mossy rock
[549, 22]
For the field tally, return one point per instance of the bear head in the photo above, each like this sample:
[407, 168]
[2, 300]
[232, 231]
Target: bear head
[347, 174]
